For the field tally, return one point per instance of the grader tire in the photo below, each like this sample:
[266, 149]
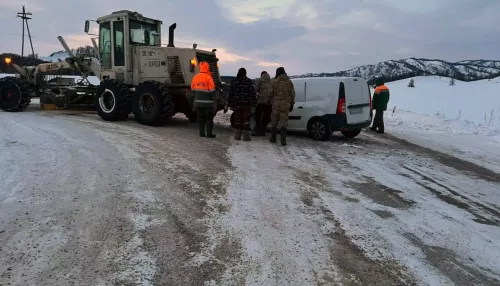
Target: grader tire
[13, 95]
[152, 104]
[113, 100]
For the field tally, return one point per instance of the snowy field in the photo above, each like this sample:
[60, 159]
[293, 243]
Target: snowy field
[477, 102]
[461, 120]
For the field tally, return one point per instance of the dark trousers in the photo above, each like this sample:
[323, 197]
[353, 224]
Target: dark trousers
[378, 121]
[205, 117]
[262, 117]
[242, 115]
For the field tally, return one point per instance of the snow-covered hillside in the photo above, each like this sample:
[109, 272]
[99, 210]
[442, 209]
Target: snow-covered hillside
[463, 119]
[61, 55]
[469, 70]
[55, 57]
[477, 102]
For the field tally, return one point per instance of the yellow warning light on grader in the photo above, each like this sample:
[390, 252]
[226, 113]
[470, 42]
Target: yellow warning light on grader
[8, 60]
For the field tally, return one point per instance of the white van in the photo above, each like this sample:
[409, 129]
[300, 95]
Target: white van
[324, 105]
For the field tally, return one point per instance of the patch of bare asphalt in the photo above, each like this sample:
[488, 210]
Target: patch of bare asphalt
[356, 268]
[466, 167]
[383, 214]
[311, 184]
[449, 265]
[380, 194]
[456, 199]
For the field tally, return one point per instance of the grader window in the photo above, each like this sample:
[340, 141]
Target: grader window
[105, 44]
[118, 31]
[142, 33]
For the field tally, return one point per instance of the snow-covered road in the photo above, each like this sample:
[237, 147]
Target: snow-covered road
[87, 202]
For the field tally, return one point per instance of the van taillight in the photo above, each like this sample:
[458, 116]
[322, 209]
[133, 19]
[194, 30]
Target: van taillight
[341, 106]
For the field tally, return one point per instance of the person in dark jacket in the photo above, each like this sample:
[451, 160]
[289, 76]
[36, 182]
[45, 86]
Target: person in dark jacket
[379, 103]
[242, 97]
[263, 109]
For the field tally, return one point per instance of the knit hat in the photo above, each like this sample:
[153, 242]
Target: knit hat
[280, 71]
[242, 72]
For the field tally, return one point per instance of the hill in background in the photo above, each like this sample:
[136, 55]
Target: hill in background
[469, 70]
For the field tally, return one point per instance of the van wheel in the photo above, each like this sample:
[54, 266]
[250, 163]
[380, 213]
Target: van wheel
[319, 129]
[350, 133]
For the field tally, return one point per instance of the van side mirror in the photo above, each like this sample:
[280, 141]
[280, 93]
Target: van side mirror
[87, 26]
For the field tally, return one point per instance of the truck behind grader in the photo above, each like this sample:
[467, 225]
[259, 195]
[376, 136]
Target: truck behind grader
[137, 75]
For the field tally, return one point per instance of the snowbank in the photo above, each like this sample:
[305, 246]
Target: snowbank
[469, 141]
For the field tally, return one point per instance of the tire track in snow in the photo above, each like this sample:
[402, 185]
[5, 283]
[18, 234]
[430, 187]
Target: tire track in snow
[281, 243]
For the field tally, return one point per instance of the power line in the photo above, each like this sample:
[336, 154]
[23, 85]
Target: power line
[14, 34]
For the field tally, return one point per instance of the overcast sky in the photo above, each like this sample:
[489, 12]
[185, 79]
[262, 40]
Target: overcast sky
[303, 36]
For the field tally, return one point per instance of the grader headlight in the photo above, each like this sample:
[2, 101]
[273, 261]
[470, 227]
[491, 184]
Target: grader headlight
[8, 61]
[192, 64]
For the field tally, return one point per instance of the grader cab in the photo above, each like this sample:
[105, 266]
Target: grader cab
[140, 76]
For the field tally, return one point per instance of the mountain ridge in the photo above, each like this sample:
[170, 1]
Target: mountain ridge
[392, 70]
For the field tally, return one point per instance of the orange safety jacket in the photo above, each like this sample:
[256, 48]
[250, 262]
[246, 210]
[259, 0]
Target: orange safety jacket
[203, 87]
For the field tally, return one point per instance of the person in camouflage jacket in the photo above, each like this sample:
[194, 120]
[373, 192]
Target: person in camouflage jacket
[283, 99]
[242, 97]
[263, 109]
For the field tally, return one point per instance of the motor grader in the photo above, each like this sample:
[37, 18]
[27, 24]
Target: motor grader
[137, 75]
[43, 80]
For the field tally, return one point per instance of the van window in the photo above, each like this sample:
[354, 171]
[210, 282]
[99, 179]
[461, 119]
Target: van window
[300, 95]
[318, 91]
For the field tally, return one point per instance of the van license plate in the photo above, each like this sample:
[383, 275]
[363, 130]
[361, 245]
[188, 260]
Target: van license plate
[356, 110]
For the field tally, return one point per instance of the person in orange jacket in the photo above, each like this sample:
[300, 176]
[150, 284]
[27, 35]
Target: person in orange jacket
[203, 87]
[380, 100]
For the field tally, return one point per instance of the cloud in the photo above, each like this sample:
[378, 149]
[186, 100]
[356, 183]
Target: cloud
[310, 36]
[17, 6]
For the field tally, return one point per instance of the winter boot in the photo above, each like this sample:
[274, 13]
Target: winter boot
[201, 126]
[210, 127]
[261, 131]
[273, 135]
[237, 134]
[246, 135]
[283, 136]
[255, 131]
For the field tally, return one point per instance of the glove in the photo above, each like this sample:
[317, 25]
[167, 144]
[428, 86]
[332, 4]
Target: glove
[291, 107]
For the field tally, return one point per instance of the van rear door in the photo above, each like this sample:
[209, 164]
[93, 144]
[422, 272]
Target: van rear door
[357, 101]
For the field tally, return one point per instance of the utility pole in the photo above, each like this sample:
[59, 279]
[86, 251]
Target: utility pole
[24, 16]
